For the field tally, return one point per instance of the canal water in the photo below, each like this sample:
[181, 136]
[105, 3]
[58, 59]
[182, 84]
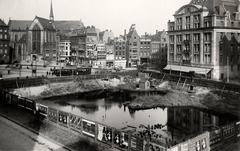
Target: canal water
[182, 121]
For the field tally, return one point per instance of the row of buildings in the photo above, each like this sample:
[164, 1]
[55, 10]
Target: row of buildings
[204, 38]
[70, 42]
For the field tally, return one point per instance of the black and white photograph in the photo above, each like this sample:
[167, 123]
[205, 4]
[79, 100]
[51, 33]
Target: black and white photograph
[119, 75]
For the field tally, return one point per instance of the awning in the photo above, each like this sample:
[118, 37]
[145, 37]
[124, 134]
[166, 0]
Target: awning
[197, 70]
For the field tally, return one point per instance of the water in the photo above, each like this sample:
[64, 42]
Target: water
[110, 113]
[179, 122]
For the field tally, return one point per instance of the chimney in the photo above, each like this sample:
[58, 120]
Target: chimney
[156, 32]
[125, 34]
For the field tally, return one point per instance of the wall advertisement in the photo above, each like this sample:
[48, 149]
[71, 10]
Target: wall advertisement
[104, 134]
[75, 122]
[63, 118]
[52, 115]
[88, 127]
[42, 109]
[121, 139]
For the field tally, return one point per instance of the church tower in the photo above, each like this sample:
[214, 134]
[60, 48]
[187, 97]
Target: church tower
[51, 17]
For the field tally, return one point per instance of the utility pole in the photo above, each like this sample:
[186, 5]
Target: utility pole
[228, 69]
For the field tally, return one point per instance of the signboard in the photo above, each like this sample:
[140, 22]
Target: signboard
[228, 131]
[215, 137]
[75, 122]
[63, 118]
[200, 142]
[42, 109]
[29, 104]
[238, 129]
[121, 139]
[14, 99]
[88, 127]
[133, 143]
[8, 98]
[21, 102]
[52, 115]
[104, 134]
[155, 147]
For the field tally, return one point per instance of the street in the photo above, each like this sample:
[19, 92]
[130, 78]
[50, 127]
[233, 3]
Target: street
[16, 138]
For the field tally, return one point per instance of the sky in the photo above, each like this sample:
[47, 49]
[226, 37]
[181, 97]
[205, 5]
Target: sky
[115, 15]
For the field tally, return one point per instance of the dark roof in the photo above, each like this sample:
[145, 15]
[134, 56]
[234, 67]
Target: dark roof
[19, 24]
[68, 25]
[2, 23]
[46, 23]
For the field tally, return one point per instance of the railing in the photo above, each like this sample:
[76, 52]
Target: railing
[122, 139]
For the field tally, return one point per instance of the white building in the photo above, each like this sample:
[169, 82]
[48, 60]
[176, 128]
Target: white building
[101, 56]
[64, 51]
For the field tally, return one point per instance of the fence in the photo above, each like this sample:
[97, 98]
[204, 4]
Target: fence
[122, 139]
[195, 81]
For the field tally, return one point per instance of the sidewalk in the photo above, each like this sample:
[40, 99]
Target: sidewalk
[14, 137]
[70, 140]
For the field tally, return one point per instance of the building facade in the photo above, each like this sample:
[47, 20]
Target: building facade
[78, 46]
[145, 49]
[37, 38]
[196, 39]
[101, 56]
[109, 55]
[159, 47]
[133, 47]
[106, 36]
[120, 52]
[4, 43]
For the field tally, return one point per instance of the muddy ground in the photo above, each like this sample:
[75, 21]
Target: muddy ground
[200, 97]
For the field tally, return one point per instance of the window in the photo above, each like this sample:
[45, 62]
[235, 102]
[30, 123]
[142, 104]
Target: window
[1, 51]
[179, 39]
[207, 37]
[1, 36]
[171, 38]
[179, 23]
[188, 22]
[171, 48]
[196, 37]
[196, 21]
[187, 37]
[238, 67]
[16, 37]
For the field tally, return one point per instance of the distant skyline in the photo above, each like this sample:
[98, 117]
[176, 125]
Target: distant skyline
[115, 15]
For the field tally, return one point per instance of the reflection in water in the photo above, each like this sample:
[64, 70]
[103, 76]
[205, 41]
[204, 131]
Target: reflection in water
[179, 122]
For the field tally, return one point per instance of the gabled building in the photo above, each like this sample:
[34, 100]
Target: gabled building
[18, 46]
[42, 39]
[106, 36]
[37, 37]
[4, 43]
[133, 47]
[197, 39]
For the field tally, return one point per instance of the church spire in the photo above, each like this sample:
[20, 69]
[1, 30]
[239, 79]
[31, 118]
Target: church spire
[51, 17]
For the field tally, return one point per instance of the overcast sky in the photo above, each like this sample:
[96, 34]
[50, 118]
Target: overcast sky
[117, 15]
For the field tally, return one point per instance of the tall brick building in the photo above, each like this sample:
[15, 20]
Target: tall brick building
[205, 38]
